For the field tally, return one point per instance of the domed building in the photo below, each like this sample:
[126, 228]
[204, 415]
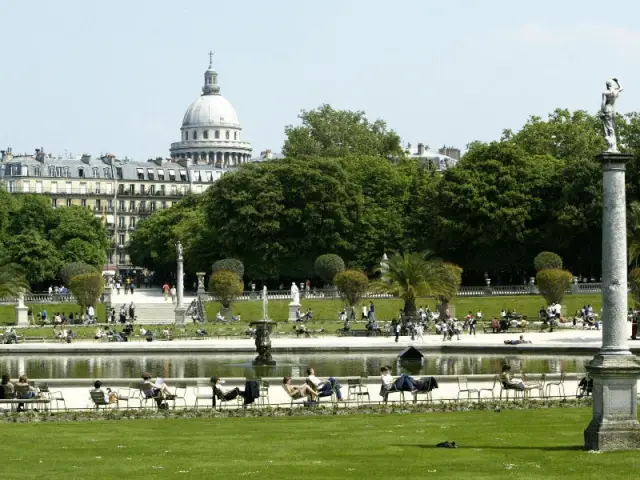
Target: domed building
[211, 132]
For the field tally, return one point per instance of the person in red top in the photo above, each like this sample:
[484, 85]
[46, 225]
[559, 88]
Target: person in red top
[165, 290]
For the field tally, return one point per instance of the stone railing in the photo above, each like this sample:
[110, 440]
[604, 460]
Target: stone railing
[40, 298]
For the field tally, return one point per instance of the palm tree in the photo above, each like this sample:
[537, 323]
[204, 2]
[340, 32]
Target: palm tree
[12, 279]
[413, 275]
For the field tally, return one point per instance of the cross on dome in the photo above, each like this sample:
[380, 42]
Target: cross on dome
[211, 54]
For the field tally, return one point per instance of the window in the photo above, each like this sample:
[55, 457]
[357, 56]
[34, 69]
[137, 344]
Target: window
[132, 206]
[217, 134]
[66, 172]
[109, 188]
[68, 188]
[142, 188]
[142, 206]
[183, 175]
[209, 176]
[163, 204]
[194, 135]
[227, 134]
[96, 172]
[121, 258]
[83, 202]
[183, 189]
[52, 171]
[38, 187]
[98, 188]
[205, 134]
[110, 259]
[140, 173]
[98, 205]
[198, 188]
[186, 135]
[37, 171]
[160, 174]
[120, 189]
[132, 188]
[195, 175]
[107, 172]
[81, 172]
[83, 188]
[152, 189]
[162, 190]
[152, 206]
[122, 242]
[174, 190]
[54, 202]
[121, 205]
[172, 174]
[120, 222]
[68, 202]
[119, 173]
[110, 205]
[150, 173]
[235, 135]
[25, 186]
[54, 187]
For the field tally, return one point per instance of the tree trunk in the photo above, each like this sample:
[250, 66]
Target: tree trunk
[409, 308]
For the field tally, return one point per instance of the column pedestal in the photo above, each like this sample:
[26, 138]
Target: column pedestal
[201, 293]
[614, 425]
[22, 317]
[180, 317]
[293, 308]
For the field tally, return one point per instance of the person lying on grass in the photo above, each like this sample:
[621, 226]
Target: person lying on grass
[299, 392]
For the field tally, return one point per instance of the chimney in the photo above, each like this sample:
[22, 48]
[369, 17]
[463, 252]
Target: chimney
[420, 149]
[86, 159]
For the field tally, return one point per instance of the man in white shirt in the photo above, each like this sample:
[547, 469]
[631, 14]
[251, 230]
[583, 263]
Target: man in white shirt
[323, 387]
[91, 312]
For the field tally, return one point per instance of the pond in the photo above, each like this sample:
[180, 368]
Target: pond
[239, 365]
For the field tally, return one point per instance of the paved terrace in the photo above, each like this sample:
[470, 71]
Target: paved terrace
[564, 341]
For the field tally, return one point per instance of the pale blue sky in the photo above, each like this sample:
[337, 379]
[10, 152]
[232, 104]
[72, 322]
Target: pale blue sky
[117, 76]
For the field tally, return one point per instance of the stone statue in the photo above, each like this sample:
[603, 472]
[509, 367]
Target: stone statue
[21, 298]
[295, 293]
[608, 113]
[265, 303]
[179, 250]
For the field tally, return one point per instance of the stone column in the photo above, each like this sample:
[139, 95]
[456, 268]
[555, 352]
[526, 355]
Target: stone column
[615, 371]
[180, 310]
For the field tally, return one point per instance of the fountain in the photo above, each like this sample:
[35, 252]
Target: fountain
[263, 333]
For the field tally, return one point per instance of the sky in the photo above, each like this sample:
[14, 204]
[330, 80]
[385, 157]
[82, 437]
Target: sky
[116, 77]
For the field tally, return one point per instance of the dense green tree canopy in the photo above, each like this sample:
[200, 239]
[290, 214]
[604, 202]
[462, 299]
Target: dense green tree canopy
[326, 132]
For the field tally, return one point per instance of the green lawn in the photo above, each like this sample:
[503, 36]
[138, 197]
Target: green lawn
[545, 443]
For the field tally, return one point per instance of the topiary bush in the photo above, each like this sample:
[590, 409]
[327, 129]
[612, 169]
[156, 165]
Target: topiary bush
[87, 288]
[225, 286]
[352, 285]
[72, 269]
[553, 283]
[328, 266]
[547, 260]
[231, 264]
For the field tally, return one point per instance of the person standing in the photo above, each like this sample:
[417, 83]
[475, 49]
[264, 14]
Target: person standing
[365, 312]
[132, 311]
[173, 293]
[472, 326]
[372, 312]
[165, 291]
[396, 329]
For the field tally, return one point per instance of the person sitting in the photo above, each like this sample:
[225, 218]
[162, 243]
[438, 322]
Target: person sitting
[508, 382]
[24, 391]
[166, 333]
[495, 325]
[517, 342]
[299, 392]
[308, 317]
[219, 317]
[224, 394]
[323, 387]
[99, 334]
[9, 389]
[110, 397]
[158, 391]
[403, 383]
[301, 329]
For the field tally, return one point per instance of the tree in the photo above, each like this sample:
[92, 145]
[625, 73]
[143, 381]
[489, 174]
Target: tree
[70, 270]
[87, 288]
[230, 264]
[12, 279]
[634, 284]
[327, 266]
[453, 277]
[225, 286]
[35, 254]
[352, 285]
[412, 275]
[547, 260]
[553, 284]
[326, 132]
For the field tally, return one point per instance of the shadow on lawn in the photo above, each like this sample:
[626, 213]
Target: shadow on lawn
[559, 448]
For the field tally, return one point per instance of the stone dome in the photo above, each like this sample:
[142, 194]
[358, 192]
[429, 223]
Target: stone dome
[210, 111]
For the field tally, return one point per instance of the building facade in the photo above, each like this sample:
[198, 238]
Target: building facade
[120, 192]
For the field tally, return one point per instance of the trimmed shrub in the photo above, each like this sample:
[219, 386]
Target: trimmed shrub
[328, 266]
[230, 264]
[87, 288]
[553, 283]
[72, 269]
[352, 285]
[547, 260]
[225, 286]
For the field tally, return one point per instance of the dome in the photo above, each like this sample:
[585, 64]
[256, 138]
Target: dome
[210, 110]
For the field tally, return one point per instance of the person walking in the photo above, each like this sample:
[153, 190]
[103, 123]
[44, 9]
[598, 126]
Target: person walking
[165, 291]
[397, 329]
[173, 292]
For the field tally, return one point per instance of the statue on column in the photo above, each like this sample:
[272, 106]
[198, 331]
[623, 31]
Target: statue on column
[608, 113]
[179, 250]
[295, 294]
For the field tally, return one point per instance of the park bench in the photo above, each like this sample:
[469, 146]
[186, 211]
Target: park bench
[13, 402]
